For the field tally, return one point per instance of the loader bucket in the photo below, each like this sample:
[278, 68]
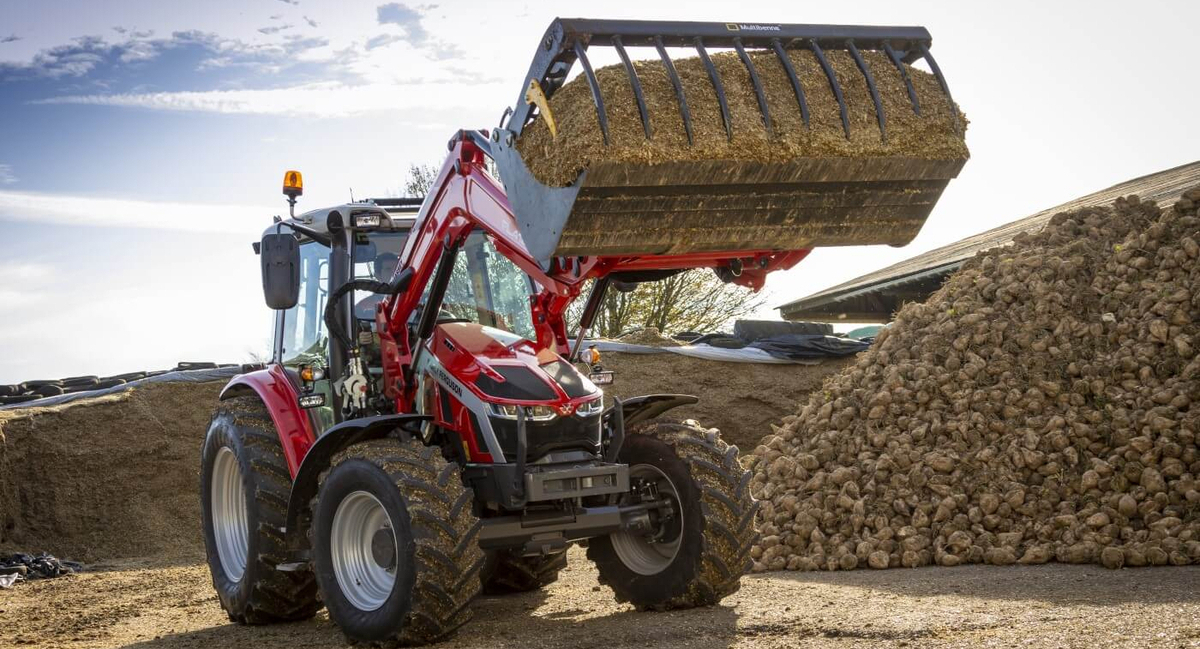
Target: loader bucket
[781, 198]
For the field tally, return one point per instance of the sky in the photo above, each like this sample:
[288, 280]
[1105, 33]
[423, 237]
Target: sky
[142, 142]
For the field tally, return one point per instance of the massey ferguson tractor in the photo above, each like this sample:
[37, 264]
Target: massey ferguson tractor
[427, 429]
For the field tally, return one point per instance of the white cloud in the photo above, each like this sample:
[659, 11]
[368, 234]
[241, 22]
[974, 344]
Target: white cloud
[383, 40]
[406, 17]
[115, 212]
[6, 175]
[411, 22]
[13, 298]
[139, 51]
[24, 282]
[24, 271]
[324, 99]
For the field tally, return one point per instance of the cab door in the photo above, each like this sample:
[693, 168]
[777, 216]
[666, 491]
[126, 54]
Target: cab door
[301, 340]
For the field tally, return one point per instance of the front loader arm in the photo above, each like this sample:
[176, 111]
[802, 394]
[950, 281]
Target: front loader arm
[466, 197]
[463, 198]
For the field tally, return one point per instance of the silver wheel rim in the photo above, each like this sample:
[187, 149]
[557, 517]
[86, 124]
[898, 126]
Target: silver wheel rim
[635, 550]
[365, 583]
[230, 528]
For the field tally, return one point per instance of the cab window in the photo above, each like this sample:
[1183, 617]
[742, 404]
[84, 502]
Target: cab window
[375, 256]
[303, 340]
[486, 288]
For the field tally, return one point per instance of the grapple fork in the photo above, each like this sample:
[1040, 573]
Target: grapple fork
[623, 208]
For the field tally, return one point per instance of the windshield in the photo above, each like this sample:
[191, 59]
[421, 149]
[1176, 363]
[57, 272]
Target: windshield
[487, 288]
[376, 256]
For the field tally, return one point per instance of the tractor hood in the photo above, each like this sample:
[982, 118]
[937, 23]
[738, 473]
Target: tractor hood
[502, 367]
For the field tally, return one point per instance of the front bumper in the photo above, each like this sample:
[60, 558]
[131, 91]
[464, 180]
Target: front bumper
[506, 487]
[578, 481]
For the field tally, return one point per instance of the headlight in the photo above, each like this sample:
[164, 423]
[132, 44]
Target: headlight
[593, 407]
[368, 220]
[532, 413]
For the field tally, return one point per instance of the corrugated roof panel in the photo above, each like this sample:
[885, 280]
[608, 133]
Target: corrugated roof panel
[1163, 187]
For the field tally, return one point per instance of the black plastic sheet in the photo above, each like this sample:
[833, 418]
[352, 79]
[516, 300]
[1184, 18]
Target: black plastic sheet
[804, 346]
[22, 567]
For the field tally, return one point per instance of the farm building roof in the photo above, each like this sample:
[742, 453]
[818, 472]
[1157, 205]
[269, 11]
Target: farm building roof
[874, 297]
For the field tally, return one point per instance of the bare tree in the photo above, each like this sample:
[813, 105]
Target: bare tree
[695, 300]
[420, 180]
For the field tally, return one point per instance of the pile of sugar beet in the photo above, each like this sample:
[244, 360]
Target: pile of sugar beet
[1041, 406]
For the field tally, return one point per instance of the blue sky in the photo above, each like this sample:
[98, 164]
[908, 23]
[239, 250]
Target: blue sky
[141, 143]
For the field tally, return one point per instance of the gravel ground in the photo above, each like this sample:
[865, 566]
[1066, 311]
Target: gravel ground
[143, 605]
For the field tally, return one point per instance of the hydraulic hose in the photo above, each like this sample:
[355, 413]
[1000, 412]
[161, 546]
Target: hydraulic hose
[334, 324]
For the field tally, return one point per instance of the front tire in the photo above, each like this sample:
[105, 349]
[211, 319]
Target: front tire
[699, 555]
[244, 488]
[396, 543]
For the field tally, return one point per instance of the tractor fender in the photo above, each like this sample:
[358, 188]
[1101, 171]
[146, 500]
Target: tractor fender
[279, 395]
[636, 410]
[320, 455]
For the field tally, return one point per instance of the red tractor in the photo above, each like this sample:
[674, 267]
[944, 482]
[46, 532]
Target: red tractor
[424, 433]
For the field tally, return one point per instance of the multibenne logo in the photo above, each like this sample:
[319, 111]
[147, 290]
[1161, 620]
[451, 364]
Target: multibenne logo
[743, 27]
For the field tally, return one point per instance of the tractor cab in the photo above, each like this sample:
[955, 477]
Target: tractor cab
[361, 240]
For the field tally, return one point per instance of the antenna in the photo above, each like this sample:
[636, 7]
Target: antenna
[351, 194]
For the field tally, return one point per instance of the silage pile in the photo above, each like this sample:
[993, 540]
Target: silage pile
[741, 400]
[109, 477]
[1038, 407]
[931, 135]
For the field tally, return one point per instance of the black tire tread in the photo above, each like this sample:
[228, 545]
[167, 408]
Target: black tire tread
[277, 596]
[446, 532]
[727, 507]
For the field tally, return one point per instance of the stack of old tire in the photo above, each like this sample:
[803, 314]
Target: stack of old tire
[1038, 407]
[39, 389]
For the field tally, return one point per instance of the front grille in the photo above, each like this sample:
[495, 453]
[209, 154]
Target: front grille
[542, 437]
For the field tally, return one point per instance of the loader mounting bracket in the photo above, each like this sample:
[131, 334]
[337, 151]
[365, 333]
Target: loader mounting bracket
[540, 211]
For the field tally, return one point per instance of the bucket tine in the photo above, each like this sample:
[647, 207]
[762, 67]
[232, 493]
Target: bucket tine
[937, 73]
[833, 84]
[862, 65]
[786, 62]
[601, 114]
[716, 82]
[912, 93]
[683, 107]
[642, 209]
[635, 83]
[754, 81]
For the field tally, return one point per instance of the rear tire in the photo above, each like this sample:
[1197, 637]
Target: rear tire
[396, 543]
[712, 543]
[244, 488]
[506, 572]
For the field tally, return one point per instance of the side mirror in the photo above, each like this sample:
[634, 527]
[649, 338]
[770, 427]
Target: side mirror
[280, 270]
